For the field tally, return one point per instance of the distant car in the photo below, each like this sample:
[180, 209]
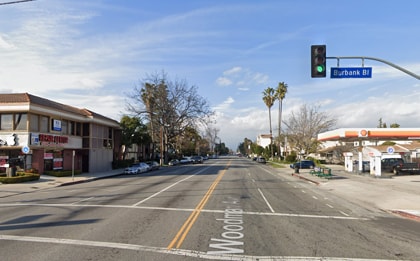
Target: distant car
[153, 165]
[304, 164]
[197, 159]
[137, 168]
[173, 162]
[185, 160]
[261, 160]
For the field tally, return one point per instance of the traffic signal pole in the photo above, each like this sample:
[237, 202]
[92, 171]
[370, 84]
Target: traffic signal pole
[375, 59]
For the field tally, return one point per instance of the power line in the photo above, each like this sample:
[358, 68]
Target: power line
[15, 2]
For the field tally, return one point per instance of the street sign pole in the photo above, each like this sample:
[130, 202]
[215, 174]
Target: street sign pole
[375, 59]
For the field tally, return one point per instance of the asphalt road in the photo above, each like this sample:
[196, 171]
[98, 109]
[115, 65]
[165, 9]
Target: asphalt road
[224, 209]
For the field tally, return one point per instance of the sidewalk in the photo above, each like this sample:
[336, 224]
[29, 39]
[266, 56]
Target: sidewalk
[46, 181]
[396, 194]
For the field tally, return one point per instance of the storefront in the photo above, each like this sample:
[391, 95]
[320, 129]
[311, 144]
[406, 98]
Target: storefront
[36, 133]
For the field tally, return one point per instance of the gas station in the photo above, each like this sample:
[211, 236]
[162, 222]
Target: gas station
[364, 137]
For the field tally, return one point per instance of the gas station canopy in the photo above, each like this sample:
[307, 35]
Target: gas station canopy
[355, 134]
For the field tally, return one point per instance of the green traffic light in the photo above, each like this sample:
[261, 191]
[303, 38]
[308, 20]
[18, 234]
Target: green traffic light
[320, 68]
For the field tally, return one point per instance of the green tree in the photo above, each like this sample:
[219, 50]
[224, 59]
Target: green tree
[280, 95]
[133, 132]
[170, 107]
[269, 98]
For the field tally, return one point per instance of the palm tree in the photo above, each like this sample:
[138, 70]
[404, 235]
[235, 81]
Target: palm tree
[269, 98]
[280, 94]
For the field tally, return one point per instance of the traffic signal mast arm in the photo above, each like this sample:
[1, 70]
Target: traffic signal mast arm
[375, 59]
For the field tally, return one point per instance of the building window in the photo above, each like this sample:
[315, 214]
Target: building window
[71, 127]
[34, 122]
[78, 129]
[44, 124]
[6, 122]
[64, 127]
[86, 131]
[21, 121]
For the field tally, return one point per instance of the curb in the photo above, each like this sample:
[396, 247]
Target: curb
[406, 215]
[301, 177]
[89, 180]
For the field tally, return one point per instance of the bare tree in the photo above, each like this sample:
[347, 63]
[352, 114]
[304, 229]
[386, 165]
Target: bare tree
[211, 136]
[305, 124]
[169, 107]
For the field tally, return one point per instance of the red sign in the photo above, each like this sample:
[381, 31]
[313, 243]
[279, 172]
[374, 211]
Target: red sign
[53, 138]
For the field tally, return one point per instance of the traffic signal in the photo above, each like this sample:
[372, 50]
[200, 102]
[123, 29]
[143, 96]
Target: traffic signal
[318, 61]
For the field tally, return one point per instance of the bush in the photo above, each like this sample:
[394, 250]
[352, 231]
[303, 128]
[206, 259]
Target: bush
[61, 173]
[118, 164]
[19, 178]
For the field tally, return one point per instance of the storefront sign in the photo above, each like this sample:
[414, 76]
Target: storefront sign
[48, 139]
[4, 161]
[56, 125]
[8, 141]
[58, 163]
[48, 155]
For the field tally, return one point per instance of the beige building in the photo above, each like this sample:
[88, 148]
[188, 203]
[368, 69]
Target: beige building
[45, 135]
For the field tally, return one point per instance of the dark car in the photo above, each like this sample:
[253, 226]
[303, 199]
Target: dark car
[197, 159]
[261, 160]
[303, 164]
[173, 162]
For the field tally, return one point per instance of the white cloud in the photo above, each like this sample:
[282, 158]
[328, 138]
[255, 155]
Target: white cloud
[234, 70]
[223, 81]
[242, 78]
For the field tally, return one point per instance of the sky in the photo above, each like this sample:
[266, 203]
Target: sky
[92, 54]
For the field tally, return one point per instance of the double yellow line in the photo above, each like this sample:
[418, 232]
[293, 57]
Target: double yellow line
[183, 232]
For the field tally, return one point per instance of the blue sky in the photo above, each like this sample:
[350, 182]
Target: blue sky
[91, 54]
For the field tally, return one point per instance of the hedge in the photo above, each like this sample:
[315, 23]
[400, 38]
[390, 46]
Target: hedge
[19, 178]
[62, 173]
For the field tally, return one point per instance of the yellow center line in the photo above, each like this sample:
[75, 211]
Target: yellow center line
[182, 233]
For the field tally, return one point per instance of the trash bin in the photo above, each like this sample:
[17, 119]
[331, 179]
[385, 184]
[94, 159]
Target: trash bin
[297, 170]
[13, 171]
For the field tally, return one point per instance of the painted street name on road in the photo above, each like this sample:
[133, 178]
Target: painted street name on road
[351, 72]
[231, 241]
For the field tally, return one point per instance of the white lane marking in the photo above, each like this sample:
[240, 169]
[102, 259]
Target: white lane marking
[303, 191]
[329, 206]
[168, 187]
[85, 199]
[186, 210]
[266, 201]
[177, 252]
[314, 197]
[345, 214]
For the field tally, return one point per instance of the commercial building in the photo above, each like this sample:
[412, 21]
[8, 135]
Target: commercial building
[45, 135]
[364, 138]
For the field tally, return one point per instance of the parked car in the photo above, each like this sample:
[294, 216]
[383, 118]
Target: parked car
[185, 160]
[173, 162]
[137, 168]
[197, 159]
[397, 166]
[303, 164]
[153, 165]
[261, 160]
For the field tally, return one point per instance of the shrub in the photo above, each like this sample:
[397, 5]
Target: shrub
[61, 173]
[19, 178]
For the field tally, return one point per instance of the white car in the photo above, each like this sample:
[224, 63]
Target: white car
[137, 168]
[186, 160]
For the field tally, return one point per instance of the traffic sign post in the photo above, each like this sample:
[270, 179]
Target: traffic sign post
[351, 72]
